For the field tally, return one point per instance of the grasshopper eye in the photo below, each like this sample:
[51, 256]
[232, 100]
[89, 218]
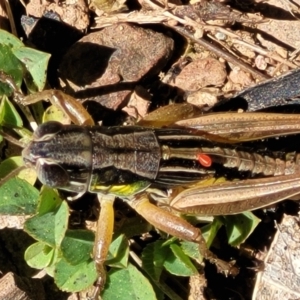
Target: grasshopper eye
[47, 130]
[52, 174]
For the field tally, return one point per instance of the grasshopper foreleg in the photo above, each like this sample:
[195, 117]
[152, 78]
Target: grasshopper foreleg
[69, 105]
[103, 240]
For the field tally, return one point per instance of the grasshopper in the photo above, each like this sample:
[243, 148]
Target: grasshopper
[127, 162]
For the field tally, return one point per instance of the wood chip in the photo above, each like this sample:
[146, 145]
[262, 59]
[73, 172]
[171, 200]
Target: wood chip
[13, 287]
[280, 278]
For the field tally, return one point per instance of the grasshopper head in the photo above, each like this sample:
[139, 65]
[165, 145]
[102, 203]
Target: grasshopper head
[61, 156]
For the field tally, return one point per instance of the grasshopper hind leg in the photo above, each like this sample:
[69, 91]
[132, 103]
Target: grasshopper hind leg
[178, 227]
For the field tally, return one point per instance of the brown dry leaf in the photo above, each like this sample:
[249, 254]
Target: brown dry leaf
[201, 73]
[138, 104]
[212, 12]
[246, 52]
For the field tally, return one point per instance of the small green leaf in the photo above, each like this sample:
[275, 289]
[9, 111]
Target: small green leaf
[49, 200]
[50, 270]
[9, 39]
[36, 63]
[11, 66]
[77, 246]
[153, 258]
[38, 110]
[170, 241]
[9, 165]
[129, 283]
[54, 113]
[178, 263]
[39, 255]
[15, 57]
[118, 252]
[191, 250]
[210, 231]
[75, 278]
[240, 226]
[50, 227]
[9, 116]
[18, 197]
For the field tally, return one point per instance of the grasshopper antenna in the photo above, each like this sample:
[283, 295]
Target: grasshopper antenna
[12, 174]
[16, 171]
[12, 139]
